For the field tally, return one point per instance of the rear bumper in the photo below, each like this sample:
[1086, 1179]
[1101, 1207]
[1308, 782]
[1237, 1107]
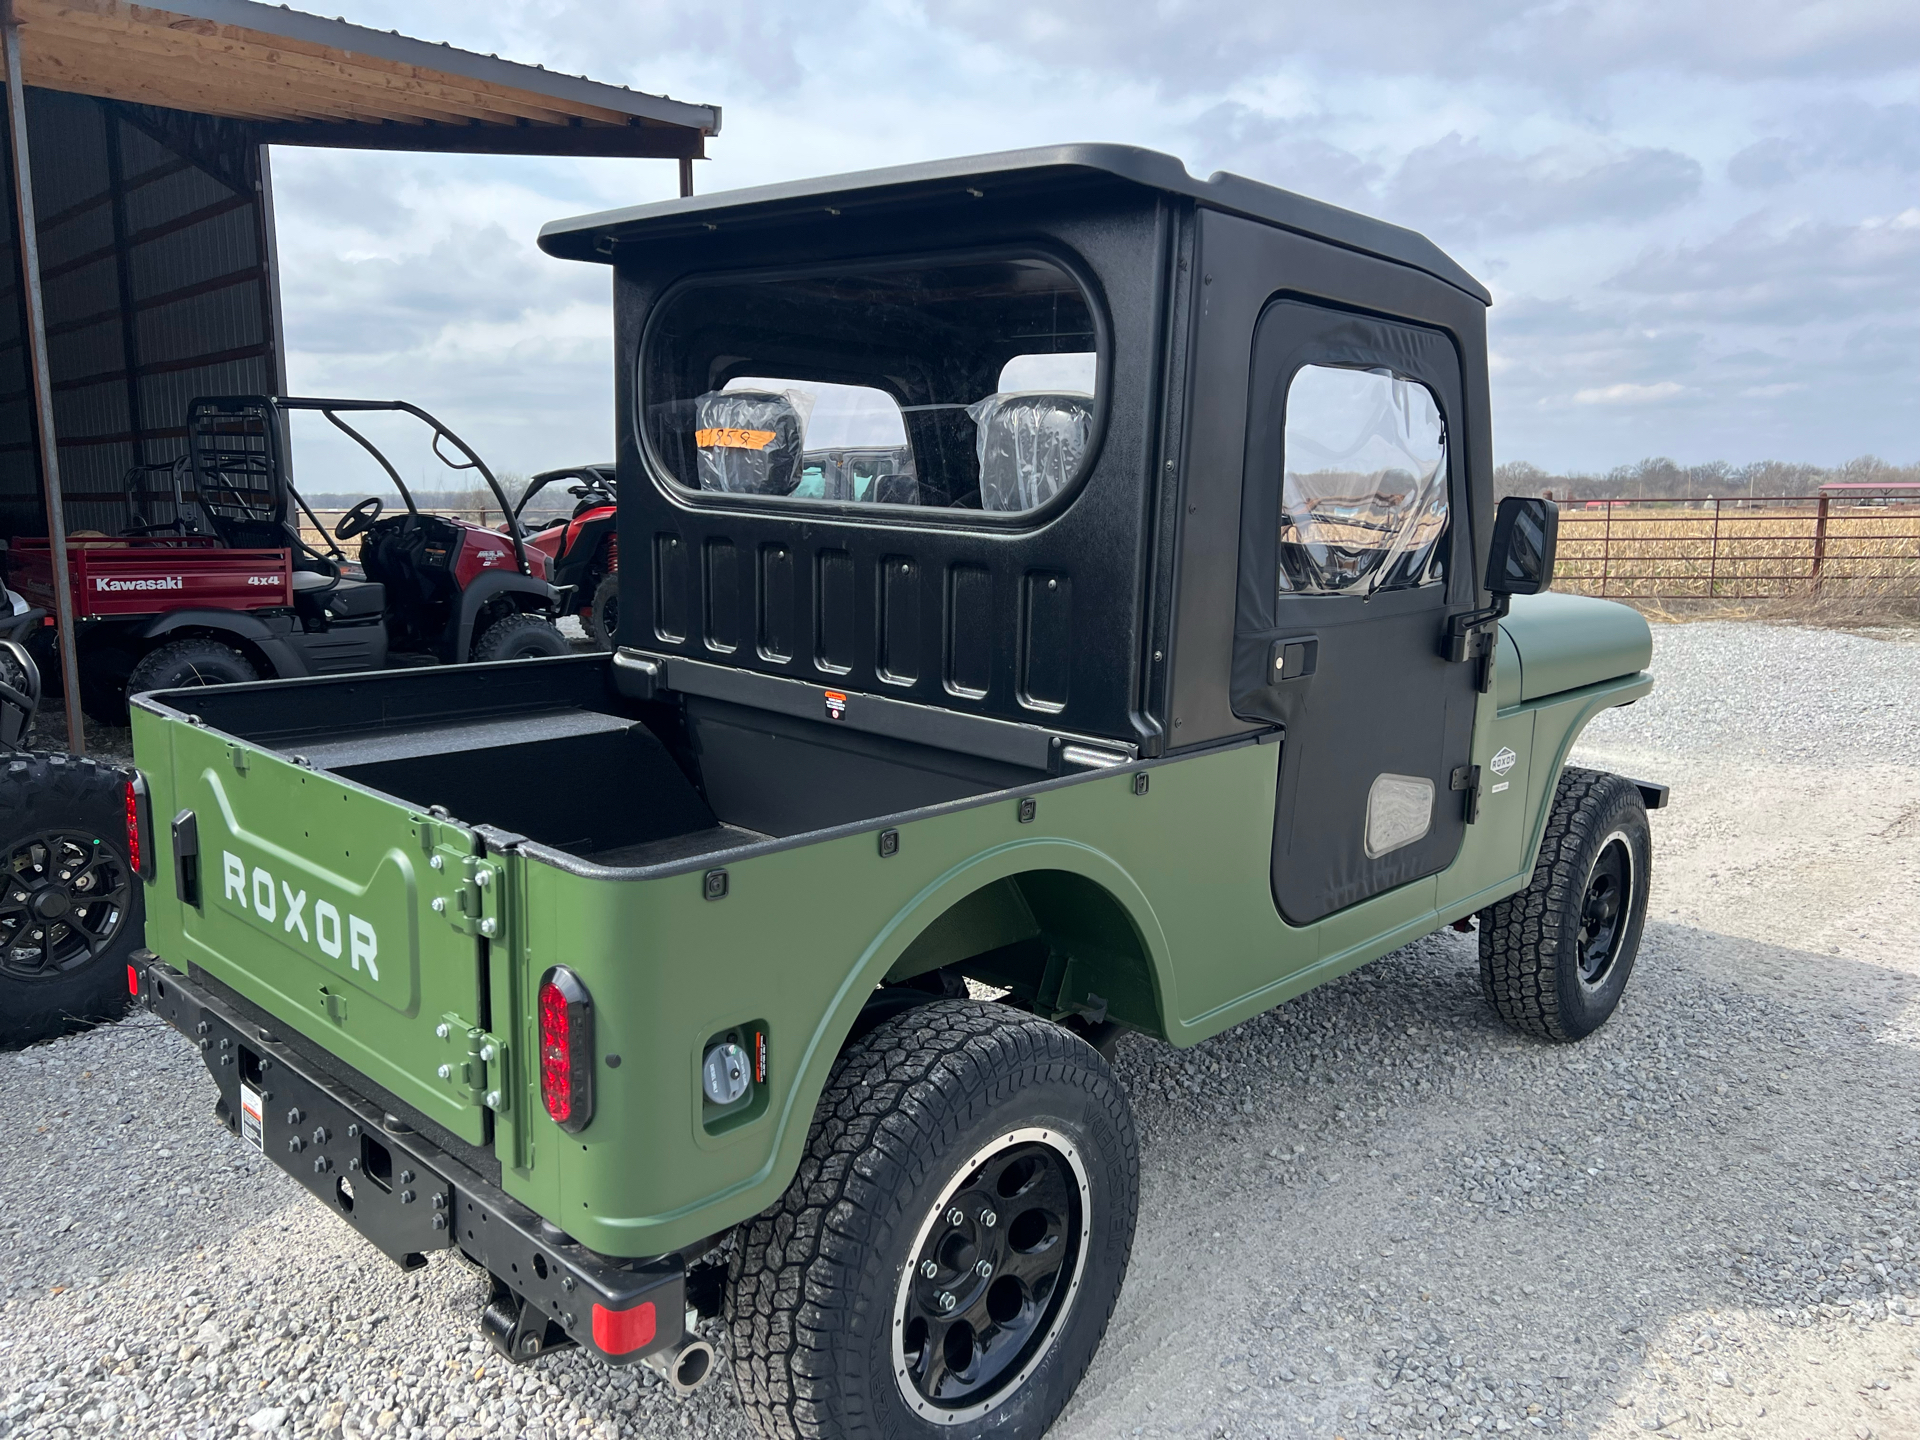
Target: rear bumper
[407, 1197]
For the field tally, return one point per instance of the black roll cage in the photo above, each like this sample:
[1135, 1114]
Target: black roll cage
[330, 410]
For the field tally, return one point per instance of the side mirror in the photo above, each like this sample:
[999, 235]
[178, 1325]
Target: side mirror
[1525, 532]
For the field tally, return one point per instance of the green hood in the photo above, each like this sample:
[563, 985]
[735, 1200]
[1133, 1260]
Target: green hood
[1567, 641]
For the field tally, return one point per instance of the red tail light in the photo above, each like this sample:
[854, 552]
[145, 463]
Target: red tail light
[133, 827]
[566, 1048]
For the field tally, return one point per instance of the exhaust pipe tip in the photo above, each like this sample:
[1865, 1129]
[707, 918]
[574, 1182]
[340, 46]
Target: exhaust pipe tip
[686, 1368]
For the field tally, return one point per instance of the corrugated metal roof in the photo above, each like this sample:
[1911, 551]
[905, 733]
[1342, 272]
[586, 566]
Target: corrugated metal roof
[301, 79]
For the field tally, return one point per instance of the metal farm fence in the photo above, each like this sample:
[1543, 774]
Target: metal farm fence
[1746, 549]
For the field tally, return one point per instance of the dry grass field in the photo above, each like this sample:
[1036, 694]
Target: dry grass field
[1770, 556]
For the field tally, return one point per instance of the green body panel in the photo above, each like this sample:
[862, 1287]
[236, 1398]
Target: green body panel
[1159, 903]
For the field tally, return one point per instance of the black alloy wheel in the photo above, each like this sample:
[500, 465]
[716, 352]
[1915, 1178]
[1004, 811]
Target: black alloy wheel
[71, 904]
[995, 1266]
[63, 905]
[1604, 909]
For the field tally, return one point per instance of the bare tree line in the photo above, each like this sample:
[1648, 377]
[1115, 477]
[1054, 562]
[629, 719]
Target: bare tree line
[1658, 478]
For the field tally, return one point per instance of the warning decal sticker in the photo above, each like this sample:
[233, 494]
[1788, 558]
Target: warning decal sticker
[836, 705]
[251, 1129]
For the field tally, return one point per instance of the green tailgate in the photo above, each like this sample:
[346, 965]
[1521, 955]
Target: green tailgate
[316, 900]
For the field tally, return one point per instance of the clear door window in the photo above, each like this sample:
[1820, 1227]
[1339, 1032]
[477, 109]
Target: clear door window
[1364, 496]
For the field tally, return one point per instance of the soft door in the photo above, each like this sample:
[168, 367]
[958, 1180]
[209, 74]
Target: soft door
[1354, 552]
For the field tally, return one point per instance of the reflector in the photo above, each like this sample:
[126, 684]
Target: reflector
[621, 1332]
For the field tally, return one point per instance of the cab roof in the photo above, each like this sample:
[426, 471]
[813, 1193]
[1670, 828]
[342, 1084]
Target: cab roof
[596, 237]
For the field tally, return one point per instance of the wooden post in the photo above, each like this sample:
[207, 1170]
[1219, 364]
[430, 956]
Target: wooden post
[40, 378]
[1819, 542]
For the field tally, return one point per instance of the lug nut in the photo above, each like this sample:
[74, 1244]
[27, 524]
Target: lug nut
[984, 1270]
[946, 1301]
[988, 1219]
[929, 1269]
[956, 1216]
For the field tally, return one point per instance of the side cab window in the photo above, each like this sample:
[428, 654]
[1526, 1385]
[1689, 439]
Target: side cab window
[1364, 499]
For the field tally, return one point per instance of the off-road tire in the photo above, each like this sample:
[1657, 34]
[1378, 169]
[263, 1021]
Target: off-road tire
[1530, 968]
[603, 615]
[186, 663]
[520, 637]
[813, 1282]
[43, 793]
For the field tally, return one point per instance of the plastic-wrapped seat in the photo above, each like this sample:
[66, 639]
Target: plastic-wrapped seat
[748, 442]
[1029, 443]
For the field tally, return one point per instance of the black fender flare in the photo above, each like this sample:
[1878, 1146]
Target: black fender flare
[283, 659]
[488, 587]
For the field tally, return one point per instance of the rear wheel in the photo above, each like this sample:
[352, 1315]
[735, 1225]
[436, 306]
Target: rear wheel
[1555, 957]
[945, 1262]
[70, 904]
[187, 664]
[520, 637]
[603, 618]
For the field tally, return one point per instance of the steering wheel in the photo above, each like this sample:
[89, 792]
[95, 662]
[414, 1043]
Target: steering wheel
[359, 519]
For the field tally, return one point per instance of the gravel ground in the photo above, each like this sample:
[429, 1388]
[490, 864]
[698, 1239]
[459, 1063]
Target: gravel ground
[1372, 1212]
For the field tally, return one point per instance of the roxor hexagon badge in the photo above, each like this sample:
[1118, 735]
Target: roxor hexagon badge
[1504, 761]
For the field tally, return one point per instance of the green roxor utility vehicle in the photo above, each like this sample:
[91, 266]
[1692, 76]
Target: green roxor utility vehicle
[1173, 668]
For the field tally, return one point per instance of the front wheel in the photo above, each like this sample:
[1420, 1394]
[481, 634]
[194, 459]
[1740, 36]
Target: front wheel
[946, 1260]
[1555, 957]
[520, 637]
[70, 902]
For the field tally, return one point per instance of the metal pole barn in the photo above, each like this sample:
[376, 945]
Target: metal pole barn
[41, 378]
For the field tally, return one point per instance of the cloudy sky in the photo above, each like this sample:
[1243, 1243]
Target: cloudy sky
[1700, 220]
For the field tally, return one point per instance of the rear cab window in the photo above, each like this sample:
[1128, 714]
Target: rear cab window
[964, 386]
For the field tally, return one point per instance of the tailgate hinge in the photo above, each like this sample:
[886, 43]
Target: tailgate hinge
[474, 906]
[472, 1063]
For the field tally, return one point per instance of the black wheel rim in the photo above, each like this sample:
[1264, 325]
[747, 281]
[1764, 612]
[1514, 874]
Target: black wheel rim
[64, 900]
[1605, 909]
[992, 1276]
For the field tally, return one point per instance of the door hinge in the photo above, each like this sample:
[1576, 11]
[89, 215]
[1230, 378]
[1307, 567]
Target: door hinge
[1467, 778]
[1475, 635]
[472, 1063]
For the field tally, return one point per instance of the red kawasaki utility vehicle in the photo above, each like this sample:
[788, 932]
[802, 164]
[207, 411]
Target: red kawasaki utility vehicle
[211, 582]
[582, 549]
